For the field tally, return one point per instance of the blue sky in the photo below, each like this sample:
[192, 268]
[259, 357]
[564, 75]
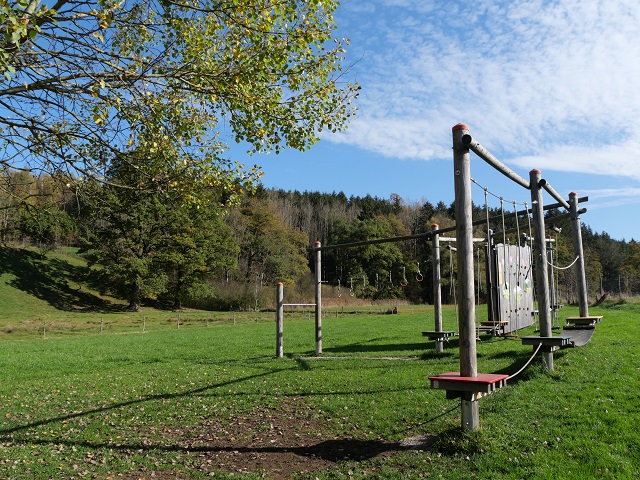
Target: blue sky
[541, 84]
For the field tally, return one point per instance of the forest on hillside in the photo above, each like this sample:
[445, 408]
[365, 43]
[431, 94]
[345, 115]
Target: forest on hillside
[152, 245]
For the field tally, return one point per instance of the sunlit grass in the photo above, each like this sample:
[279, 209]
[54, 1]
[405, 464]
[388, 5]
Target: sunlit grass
[112, 404]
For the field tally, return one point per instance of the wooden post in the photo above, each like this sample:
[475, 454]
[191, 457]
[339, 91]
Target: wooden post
[467, 305]
[583, 299]
[318, 263]
[437, 287]
[540, 262]
[279, 320]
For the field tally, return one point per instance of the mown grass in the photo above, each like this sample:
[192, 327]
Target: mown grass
[132, 402]
[109, 405]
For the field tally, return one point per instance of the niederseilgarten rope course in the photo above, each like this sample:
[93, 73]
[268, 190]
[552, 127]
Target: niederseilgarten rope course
[515, 273]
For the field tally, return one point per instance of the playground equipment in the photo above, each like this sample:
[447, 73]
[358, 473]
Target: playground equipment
[280, 317]
[468, 384]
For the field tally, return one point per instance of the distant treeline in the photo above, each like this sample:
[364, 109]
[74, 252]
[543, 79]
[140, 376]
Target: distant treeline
[154, 245]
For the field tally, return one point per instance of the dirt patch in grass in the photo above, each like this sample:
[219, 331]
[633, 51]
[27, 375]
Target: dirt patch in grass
[276, 444]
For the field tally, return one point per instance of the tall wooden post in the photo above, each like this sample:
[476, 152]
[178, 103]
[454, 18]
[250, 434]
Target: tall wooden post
[279, 320]
[583, 299]
[540, 262]
[318, 263]
[437, 286]
[466, 291]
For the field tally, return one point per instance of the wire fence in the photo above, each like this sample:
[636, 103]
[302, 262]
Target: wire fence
[140, 323]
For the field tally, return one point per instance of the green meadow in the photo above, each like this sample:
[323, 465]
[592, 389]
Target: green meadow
[207, 397]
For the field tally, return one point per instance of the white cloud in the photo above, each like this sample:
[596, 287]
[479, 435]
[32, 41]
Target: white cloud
[557, 81]
[621, 160]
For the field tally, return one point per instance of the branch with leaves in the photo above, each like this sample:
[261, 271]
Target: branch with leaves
[87, 81]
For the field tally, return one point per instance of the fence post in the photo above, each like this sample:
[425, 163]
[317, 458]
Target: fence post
[437, 286]
[583, 299]
[318, 263]
[540, 262]
[466, 290]
[279, 320]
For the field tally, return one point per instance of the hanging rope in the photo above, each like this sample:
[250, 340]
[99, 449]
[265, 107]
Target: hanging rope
[419, 276]
[404, 282]
[452, 284]
[533, 284]
[504, 228]
[564, 268]
[518, 288]
[490, 280]
[526, 364]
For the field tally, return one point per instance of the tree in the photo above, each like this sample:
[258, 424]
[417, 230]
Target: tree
[378, 268]
[150, 242]
[89, 81]
[197, 244]
[269, 248]
[46, 224]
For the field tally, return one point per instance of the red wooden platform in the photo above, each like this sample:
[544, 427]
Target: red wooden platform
[483, 383]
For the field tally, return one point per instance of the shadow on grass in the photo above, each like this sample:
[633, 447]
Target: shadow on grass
[332, 450]
[364, 348]
[335, 450]
[147, 398]
[48, 280]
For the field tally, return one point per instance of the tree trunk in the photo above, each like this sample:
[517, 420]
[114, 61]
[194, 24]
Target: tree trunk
[134, 302]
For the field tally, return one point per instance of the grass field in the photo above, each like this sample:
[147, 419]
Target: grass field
[193, 402]
[209, 399]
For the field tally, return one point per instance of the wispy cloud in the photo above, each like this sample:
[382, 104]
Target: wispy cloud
[548, 84]
[613, 197]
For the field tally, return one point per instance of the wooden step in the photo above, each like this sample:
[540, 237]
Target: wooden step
[584, 321]
[439, 336]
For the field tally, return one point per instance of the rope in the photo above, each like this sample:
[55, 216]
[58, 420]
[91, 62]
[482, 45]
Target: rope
[489, 191]
[518, 268]
[404, 282]
[490, 280]
[564, 268]
[452, 284]
[526, 364]
[533, 283]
